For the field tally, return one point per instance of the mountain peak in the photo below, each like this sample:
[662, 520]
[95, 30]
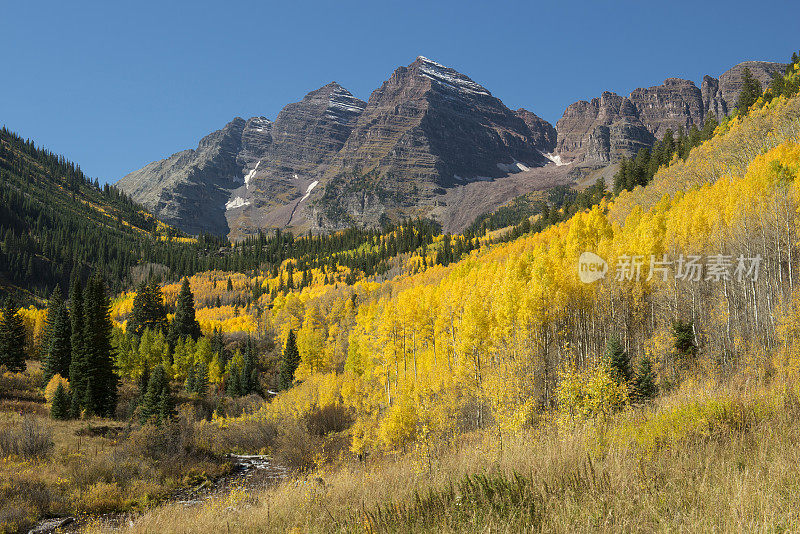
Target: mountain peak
[333, 86]
[447, 77]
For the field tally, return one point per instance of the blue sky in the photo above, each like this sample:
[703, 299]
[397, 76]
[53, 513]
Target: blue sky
[115, 85]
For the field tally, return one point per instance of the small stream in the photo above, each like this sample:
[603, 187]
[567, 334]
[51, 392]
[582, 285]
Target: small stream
[251, 472]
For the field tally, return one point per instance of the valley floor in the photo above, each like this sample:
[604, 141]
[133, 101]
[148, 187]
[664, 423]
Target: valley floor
[705, 458]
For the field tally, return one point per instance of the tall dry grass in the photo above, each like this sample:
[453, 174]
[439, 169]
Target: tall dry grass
[705, 458]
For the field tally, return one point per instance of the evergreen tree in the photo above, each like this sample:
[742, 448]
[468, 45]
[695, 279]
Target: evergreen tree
[143, 382]
[61, 406]
[157, 405]
[217, 342]
[750, 92]
[191, 382]
[684, 345]
[184, 323]
[233, 383]
[148, 309]
[78, 364]
[101, 377]
[641, 164]
[289, 363]
[57, 347]
[201, 379]
[248, 375]
[644, 383]
[618, 360]
[709, 126]
[12, 338]
[778, 85]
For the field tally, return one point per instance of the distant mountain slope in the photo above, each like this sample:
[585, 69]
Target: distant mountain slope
[190, 189]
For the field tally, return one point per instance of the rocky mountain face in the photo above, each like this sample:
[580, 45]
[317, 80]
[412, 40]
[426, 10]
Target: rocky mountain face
[720, 95]
[543, 133]
[427, 128]
[332, 160]
[601, 131]
[607, 128]
[430, 141]
[306, 135]
[189, 189]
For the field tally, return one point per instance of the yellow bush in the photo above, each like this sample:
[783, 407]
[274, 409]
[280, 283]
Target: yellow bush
[102, 497]
[399, 427]
[591, 393]
[52, 386]
[690, 420]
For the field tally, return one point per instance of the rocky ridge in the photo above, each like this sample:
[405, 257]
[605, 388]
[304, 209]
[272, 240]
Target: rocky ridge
[605, 129]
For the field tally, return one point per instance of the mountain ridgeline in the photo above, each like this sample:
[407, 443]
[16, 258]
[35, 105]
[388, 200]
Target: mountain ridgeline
[332, 161]
[429, 142]
[608, 128]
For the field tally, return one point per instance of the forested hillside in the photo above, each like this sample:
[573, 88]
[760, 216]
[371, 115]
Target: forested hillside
[54, 222]
[490, 337]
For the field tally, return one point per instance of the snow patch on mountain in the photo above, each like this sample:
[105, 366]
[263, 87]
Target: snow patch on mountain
[342, 105]
[555, 158]
[260, 124]
[237, 202]
[449, 78]
[251, 174]
[513, 167]
[311, 187]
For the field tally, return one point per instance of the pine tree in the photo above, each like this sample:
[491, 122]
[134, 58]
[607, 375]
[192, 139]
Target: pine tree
[78, 370]
[57, 348]
[201, 379]
[751, 90]
[289, 363]
[142, 383]
[148, 310]
[248, 375]
[709, 126]
[60, 408]
[157, 405]
[233, 383]
[102, 380]
[684, 345]
[644, 383]
[618, 360]
[12, 338]
[191, 376]
[184, 323]
[778, 84]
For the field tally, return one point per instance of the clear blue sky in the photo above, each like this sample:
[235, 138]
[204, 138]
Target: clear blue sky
[115, 85]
